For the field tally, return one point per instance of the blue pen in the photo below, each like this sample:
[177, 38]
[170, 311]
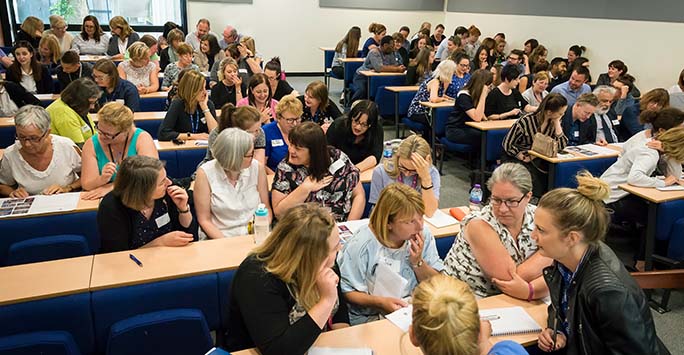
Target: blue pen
[135, 260]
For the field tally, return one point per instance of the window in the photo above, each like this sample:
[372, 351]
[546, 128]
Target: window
[142, 15]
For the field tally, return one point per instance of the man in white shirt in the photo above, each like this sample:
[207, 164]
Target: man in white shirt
[203, 27]
[606, 119]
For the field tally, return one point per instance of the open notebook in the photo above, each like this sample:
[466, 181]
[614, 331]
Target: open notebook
[509, 321]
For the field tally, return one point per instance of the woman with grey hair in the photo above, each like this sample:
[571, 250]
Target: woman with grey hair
[229, 188]
[39, 162]
[495, 247]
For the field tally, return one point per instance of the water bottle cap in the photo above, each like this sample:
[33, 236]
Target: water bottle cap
[261, 210]
[477, 185]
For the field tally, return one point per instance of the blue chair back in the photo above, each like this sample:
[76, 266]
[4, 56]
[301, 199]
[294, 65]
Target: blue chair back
[152, 104]
[443, 245]
[566, 172]
[188, 160]
[44, 343]
[149, 126]
[350, 71]
[47, 248]
[495, 140]
[225, 282]
[675, 248]
[441, 118]
[175, 331]
[7, 136]
[170, 159]
[328, 56]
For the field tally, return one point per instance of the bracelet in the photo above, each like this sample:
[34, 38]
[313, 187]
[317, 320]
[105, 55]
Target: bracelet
[205, 111]
[530, 296]
[426, 187]
[419, 264]
[187, 209]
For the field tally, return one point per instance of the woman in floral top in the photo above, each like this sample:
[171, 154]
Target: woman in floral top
[316, 172]
[494, 250]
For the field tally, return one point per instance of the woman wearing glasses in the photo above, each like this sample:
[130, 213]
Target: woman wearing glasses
[494, 252]
[411, 165]
[288, 115]
[358, 135]
[115, 88]
[395, 245]
[39, 162]
[116, 138]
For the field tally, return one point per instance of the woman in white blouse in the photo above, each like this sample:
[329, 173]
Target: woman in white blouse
[139, 70]
[229, 188]
[92, 40]
[39, 162]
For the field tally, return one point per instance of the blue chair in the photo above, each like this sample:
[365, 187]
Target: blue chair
[413, 125]
[225, 281]
[152, 104]
[69, 314]
[175, 331]
[7, 136]
[149, 126]
[45, 343]
[440, 120]
[443, 245]
[328, 56]
[669, 228]
[369, 206]
[47, 248]
[188, 159]
[170, 159]
[675, 247]
[566, 171]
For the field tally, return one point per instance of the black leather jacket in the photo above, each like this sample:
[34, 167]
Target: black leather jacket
[608, 312]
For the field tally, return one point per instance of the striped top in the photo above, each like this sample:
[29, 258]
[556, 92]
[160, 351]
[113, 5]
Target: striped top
[90, 47]
[521, 135]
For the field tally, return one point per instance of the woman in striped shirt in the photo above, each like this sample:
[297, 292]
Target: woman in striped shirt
[520, 137]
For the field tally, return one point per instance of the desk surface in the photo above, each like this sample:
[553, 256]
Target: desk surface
[491, 125]
[95, 58]
[577, 156]
[401, 88]
[386, 339]
[346, 60]
[652, 194]
[83, 206]
[29, 282]
[428, 104]
[152, 95]
[374, 73]
[164, 146]
[327, 48]
[164, 263]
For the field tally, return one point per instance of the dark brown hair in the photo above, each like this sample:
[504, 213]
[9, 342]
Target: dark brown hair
[310, 135]
[36, 68]
[109, 68]
[98, 30]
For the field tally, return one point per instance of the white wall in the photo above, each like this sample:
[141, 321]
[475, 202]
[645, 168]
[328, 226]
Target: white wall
[649, 49]
[294, 29]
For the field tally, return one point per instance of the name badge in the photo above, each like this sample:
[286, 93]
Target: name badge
[616, 122]
[242, 71]
[392, 264]
[277, 142]
[576, 134]
[339, 163]
[85, 128]
[163, 220]
[203, 119]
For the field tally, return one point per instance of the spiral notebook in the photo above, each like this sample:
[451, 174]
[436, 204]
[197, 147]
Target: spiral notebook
[509, 321]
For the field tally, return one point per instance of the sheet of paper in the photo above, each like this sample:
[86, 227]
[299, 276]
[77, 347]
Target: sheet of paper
[388, 283]
[402, 318]
[340, 351]
[156, 144]
[354, 226]
[671, 188]
[202, 142]
[598, 149]
[38, 204]
[441, 219]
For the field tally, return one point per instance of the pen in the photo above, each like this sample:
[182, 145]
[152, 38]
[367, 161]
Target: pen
[135, 260]
[490, 318]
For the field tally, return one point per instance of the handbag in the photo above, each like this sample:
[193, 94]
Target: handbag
[545, 145]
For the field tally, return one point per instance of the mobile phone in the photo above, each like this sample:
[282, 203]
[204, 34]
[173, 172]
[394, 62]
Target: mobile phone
[178, 141]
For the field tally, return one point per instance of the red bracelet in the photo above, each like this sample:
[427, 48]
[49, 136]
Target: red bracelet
[531, 294]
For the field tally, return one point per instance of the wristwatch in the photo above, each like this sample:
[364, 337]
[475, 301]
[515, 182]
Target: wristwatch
[188, 135]
[186, 210]
[419, 264]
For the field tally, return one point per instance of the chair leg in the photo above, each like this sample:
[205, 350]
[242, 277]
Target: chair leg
[441, 150]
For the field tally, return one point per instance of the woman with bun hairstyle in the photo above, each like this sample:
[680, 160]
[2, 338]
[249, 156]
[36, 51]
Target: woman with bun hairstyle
[446, 321]
[575, 52]
[659, 121]
[378, 30]
[276, 79]
[596, 306]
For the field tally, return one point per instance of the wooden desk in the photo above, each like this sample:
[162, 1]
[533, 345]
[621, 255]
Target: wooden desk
[95, 58]
[352, 60]
[30, 282]
[396, 90]
[165, 263]
[576, 157]
[152, 95]
[653, 197]
[447, 231]
[434, 106]
[387, 339]
[82, 206]
[164, 146]
[485, 127]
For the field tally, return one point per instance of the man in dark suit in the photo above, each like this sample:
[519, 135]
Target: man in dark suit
[577, 123]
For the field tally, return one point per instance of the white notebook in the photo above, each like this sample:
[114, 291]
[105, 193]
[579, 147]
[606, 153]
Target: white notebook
[509, 321]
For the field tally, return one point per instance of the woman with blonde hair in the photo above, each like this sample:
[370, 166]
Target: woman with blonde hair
[283, 296]
[249, 54]
[123, 37]
[169, 54]
[446, 321]
[58, 28]
[230, 88]
[378, 30]
[535, 94]
[396, 245]
[30, 30]
[411, 165]
[191, 114]
[433, 90]
[49, 52]
[171, 71]
[288, 115]
[139, 69]
[593, 297]
[144, 209]
[116, 138]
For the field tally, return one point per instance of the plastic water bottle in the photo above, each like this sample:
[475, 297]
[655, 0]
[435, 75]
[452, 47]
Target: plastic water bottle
[387, 154]
[261, 225]
[475, 198]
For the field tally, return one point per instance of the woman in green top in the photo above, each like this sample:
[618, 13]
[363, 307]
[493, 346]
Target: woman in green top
[69, 113]
[116, 138]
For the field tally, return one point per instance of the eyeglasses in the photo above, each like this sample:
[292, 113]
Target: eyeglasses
[249, 156]
[513, 58]
[292, 120]
[406, 170]
[358, 122]
[509, 203]
[107, 135]
[464, 65]
[32, 140]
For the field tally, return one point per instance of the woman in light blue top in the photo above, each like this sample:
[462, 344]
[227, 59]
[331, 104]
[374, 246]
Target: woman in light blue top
[117, 138]
[411, 165]
[384, 261]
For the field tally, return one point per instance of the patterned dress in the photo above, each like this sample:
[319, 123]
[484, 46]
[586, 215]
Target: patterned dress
[337, 195]
[461, 263]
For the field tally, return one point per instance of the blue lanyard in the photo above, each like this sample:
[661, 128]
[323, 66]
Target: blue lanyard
[195, 121]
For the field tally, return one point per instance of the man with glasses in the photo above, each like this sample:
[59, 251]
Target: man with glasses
[519, 59]
[230, 36]
[494, 251]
